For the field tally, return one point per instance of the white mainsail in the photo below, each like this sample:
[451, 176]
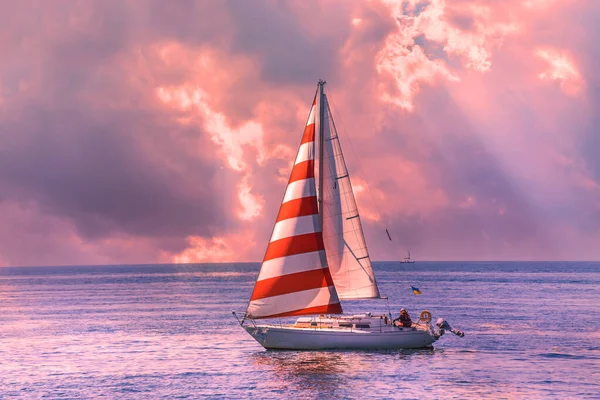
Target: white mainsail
[345, 245]
[294, 278]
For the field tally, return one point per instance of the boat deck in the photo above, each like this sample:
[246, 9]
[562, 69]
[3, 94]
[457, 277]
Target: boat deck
[353, 323]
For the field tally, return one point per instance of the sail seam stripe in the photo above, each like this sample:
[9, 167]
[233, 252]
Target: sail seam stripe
[301, 188]
[298, 208]
[291, 264]
[295, 226]
[291, 283]
[293, 301]
[309, 134]
[302, 170]
[305, 152]
[334, 308]
[295, 245]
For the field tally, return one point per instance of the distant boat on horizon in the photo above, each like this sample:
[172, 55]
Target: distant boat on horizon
[318, 256]
[407, 260]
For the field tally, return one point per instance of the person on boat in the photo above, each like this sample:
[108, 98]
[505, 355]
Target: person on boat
[403, 320]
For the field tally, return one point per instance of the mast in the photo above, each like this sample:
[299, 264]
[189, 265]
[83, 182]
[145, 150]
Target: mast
[321, 85]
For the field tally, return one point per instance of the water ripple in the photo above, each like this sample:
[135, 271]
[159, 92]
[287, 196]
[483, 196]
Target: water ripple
[140, 332]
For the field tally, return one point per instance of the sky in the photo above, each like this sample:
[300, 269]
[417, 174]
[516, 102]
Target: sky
[159, 132]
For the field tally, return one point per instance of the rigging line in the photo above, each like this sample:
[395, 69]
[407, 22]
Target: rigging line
[347, 134]
[389, 309]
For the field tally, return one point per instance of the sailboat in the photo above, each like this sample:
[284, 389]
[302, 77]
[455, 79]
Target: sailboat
[317, 256]
[407, 260]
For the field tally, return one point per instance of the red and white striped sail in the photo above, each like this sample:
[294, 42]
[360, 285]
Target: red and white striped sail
[294, 278]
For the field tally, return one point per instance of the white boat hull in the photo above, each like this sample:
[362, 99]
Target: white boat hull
[292, 338]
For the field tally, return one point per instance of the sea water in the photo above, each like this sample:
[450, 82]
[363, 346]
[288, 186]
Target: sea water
[167, 331]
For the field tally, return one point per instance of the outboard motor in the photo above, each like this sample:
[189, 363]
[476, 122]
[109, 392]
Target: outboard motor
[444, 326]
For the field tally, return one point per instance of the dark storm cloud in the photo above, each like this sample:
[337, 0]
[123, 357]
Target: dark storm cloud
[90, 169]
[67, 147]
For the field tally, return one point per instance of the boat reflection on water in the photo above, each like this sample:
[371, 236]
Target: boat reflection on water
[410, 354]
[313, 374]
[329, 373]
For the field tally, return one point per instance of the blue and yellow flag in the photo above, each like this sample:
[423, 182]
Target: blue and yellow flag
[415, 290]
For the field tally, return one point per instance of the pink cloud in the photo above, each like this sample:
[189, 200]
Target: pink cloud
[251, 204]
[157, 132]
[409, 69]
[437, 22]
[234, 247]
[560, 68]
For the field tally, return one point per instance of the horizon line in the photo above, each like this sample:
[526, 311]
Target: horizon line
[258, 262]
